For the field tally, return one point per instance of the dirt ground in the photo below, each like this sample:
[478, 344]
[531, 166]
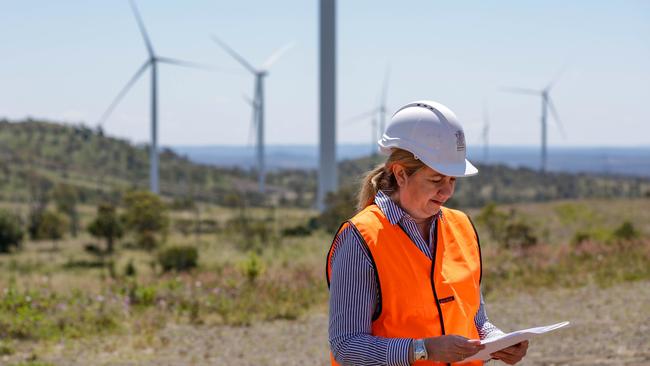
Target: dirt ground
[610, 326]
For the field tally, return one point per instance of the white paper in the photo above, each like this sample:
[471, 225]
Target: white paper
[506, 340]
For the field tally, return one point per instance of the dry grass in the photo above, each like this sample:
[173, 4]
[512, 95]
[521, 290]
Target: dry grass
[186, 318]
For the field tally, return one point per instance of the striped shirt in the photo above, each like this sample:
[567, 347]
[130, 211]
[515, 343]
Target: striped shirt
[354, 294]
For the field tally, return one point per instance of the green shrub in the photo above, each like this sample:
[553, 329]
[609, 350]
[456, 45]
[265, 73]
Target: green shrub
[302, 230]
[572, 213]
[11, 231]
[47, 224]
[519, 235]
[40, 314]
[178, 258]
[252, 267]
[339, 207]
[146, 215]
[626, 232]
[580, 237]
[494, 220]
[6, 349]
[252, 234]
[129, 269]
[106, 225]
[143, 295]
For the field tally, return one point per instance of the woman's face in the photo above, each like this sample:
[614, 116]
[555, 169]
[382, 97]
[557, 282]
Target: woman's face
[422, 193]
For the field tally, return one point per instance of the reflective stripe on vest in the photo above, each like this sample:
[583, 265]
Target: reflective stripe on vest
[413, 292]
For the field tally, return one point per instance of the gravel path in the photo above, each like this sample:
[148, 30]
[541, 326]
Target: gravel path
[609, 327]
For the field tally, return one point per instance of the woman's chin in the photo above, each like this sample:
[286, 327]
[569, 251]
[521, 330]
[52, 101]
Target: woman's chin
[433, 208]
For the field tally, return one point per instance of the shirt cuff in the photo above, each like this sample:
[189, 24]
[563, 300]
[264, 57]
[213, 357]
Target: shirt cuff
[398, 352]
[490, 330]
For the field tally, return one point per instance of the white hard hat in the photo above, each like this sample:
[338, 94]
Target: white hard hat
[432, 133]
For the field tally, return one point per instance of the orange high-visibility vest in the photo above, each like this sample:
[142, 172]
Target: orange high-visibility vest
[418, 298]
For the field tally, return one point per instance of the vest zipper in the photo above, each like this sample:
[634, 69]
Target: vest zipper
[433, 284]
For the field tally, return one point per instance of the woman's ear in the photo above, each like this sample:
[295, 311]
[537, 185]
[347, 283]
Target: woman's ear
[400, 174]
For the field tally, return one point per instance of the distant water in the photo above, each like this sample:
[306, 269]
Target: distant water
[631, 161]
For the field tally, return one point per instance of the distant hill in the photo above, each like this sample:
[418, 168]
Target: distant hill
[629, 161]
[35, 156]
[502, 184]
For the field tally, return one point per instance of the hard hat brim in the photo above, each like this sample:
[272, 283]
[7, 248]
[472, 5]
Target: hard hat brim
[465, 169]
[454, 170]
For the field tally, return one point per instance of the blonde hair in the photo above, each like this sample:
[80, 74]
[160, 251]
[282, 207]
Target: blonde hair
[382, 178]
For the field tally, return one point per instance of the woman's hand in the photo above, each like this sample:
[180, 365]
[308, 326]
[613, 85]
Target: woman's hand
[512, 354]
[451, 348]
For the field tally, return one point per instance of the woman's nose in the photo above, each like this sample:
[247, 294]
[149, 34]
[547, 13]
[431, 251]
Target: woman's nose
[446, 190]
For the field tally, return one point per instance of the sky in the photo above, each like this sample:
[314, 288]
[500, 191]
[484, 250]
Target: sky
[65, 61]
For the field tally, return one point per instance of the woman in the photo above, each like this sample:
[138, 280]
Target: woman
[404, 273]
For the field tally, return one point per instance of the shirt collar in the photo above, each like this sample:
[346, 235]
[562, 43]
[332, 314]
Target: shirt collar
[393, 212]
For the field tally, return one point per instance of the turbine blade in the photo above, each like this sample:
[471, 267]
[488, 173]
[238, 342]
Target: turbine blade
[234, 54]
[486, 118]
[190, 64]
[143, 30]
[249, 101]
[123, 92]
[253, 125]
[276, 55]
[555, 79]
[384, 90]
[361, 116]
[556, 116]
[520, 90]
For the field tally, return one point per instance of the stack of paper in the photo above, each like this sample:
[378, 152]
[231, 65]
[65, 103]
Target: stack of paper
[506, 340]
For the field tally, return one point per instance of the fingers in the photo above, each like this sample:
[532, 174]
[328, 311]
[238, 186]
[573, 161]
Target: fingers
[467, 347]
[516, 349]
[512, 354]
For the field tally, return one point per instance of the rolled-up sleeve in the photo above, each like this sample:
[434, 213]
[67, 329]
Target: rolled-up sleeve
[485, 328]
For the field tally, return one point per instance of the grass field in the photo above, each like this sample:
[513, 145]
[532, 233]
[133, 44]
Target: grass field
[61, 305]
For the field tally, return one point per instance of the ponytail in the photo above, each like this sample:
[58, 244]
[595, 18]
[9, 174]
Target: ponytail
[381, 178]
[369, 186]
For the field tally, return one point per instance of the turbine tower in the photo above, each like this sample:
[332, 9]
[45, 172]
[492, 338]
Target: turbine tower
[547, 105]
[257, 103]
[152, 62]
[327, 172]
[485, 134]
[382, 104]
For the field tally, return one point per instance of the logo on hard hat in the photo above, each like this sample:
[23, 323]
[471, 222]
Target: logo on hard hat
[460, 141]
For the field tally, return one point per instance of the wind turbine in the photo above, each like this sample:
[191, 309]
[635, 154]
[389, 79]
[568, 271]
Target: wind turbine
[257, 103]
[485, 134]
[382, 103]
[151, 62]
[373, 124]
[378, 115]
[547, 105]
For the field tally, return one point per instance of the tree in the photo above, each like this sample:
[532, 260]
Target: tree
[107, 225]
[146, 215]
[52, 226]
[66, 196]
[339, 207]
[11, 231]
